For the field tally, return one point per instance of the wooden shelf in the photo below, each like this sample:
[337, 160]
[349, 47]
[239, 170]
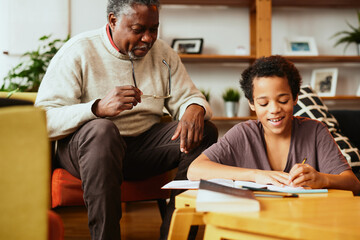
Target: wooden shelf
[208, 58]
[324, 59]
[260, 19]
[341, 97]
[213, 58]
[316, 3]
[239, 3]
[229, 119]
[275, 3]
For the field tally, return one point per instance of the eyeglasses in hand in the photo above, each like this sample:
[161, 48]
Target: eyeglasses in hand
[153, 95]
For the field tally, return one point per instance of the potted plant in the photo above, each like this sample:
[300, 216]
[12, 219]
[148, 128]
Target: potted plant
[206, 94]
[349, 37]
[27, 75]
[231, 97]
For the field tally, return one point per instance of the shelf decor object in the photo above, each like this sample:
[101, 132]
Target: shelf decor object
[301, 46]
[324, 80]
[188, 45]
[349, 37]
[206, 94]
[231, 97]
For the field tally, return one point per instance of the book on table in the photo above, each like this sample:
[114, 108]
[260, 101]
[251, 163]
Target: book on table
[213, 197]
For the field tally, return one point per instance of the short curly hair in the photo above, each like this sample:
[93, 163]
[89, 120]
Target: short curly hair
[120, 7]
[267, 67]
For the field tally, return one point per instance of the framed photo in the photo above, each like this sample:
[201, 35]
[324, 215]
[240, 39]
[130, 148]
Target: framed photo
[301, 46]
[188, 45]
[324, 81]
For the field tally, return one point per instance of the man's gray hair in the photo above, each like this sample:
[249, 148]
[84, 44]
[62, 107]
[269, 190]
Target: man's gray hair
[123, 7]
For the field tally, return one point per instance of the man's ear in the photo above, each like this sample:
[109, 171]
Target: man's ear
[112, 20]
[252, 107]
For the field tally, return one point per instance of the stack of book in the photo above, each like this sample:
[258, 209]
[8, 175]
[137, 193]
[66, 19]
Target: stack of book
[213, 197]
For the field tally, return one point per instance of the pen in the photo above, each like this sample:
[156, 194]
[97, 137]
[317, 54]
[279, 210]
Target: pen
[303, 161]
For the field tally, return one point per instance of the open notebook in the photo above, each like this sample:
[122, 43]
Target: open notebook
[187, 184]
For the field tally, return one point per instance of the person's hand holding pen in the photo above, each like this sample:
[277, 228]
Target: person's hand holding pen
[304, 175]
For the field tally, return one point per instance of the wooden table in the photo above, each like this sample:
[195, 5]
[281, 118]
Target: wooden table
[333, 215]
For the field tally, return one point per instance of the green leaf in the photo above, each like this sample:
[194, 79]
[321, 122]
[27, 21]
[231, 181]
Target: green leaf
[231, 94]
[12, 92]
[348, 37]
[27, 75]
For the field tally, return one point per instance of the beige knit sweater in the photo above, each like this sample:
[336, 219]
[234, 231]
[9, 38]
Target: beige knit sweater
[87, 67]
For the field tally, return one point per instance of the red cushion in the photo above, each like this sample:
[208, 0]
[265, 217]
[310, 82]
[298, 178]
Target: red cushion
[56, 227]
[66, 189]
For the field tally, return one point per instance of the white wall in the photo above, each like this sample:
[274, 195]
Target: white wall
[87, 15]
[22, 22]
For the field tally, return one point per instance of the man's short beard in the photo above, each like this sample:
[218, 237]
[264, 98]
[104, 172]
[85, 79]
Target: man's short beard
[132, 56]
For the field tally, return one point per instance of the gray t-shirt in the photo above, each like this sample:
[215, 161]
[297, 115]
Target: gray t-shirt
[244, 146]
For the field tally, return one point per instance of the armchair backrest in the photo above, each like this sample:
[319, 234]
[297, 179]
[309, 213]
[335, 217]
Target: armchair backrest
[24, 173]
[29, 96]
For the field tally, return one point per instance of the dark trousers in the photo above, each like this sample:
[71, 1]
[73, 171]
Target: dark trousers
[98, 155]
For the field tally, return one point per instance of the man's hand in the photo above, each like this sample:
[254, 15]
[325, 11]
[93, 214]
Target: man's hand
[190, 128]
[117, 100]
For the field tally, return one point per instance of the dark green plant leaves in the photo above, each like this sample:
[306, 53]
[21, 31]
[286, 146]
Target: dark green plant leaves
[231, 95]
[349, 37]
[206, 94]
[27, 75]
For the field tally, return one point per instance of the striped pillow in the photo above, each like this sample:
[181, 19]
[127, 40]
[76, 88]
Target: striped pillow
[310, 105]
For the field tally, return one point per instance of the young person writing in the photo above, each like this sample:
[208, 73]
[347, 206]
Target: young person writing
[271, 150]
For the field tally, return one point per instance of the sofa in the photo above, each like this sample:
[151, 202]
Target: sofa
[344, 125]
[349, 124]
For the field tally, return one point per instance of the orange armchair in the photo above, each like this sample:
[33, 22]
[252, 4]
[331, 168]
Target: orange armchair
[66, 189]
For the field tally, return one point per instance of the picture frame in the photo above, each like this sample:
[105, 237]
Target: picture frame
[324, 81]
[187, 45]
[301, 46]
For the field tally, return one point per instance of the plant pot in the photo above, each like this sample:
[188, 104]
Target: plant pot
[231, 109]
[244, 109]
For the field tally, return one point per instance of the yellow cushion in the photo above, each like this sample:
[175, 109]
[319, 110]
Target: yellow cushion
[24, 173]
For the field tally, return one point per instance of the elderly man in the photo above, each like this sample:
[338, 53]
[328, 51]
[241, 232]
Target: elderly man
[104, 93]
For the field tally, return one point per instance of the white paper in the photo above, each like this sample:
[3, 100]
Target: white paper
[220, 202]
[187, 184]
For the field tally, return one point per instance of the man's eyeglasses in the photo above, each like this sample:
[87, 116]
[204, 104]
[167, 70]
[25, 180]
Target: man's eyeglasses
[153, 95]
